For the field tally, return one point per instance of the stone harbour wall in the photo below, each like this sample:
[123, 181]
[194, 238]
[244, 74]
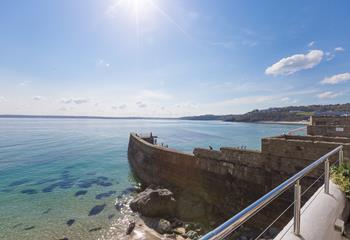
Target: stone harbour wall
[223, 179]
[329, 126]
[228, 180]
[329, 121]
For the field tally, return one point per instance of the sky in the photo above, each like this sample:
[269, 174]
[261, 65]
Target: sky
[170, 58]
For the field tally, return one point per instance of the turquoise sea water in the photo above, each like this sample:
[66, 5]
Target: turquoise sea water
[60, 178]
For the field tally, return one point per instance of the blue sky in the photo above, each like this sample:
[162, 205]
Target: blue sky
[171, 58]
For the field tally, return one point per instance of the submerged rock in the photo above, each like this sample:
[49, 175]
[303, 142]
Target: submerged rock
[70, 222]
[79, 193]
[96, 209]
[154, 203]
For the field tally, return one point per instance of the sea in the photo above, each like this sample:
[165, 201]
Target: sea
[67, 179]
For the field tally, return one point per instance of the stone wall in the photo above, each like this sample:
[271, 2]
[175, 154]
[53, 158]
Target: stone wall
[229, 179]
[331, 131]
[223, 179]
[330, 121]
[329, 126]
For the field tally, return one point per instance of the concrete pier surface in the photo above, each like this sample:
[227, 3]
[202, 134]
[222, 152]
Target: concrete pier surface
[319, 217]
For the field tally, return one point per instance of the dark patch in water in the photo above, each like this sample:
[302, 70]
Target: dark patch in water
[104, 184]
[128, 190]
[19, 182]
[70, 222]
[105, 195]
[47, 211]
[50, 188]
[29, 191]
[29, 228]
[91, 173]
[95, 229]
[87, 183]
[111, 216]
[65, 238]
[79, 193]
[7, 190]
[17, 225]
[66, 183]
[97, 209]
[43, 181]
[103, 178]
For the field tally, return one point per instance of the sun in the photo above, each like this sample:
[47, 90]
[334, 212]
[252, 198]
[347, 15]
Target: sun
[140, 9]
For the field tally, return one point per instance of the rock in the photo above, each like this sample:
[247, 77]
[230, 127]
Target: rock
[191, 234]
[176, 223]
[131, 227]
[347, 230]
[179, 238]
[164, 226]
[154, 203]
[180, 231]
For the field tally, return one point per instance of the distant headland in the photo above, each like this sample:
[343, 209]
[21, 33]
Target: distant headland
[279, 114]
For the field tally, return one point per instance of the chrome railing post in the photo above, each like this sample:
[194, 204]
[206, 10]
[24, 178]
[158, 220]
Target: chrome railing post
[341, 156]
[326, 176]
[297, 204]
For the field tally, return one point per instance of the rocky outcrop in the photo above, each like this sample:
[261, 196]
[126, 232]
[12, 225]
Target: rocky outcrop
[154, 203]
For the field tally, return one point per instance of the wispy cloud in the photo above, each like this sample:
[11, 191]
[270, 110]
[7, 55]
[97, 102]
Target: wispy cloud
[39, 98]
[141, 104]
[102, 63]
[311, 44]
[24, 83]
[154, 95]
[328, 94]
[122, 106]
[295, 63]
[339, 49]
[75, 100]
[259, 99]
[2, 99]
[225, 44]
[338, 78]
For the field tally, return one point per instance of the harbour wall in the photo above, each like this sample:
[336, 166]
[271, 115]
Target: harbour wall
[329, 126]
[229, 179]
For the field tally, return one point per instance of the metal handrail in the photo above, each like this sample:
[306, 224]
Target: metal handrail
[296, 130]
[236, 221]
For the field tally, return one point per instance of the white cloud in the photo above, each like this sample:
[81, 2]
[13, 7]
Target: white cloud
[329, 56]
[141, 104]
[328, 94]
[154, 95]
[295, 63]
[338, 78]
[39, 98]
[2, 99]
[339, 49]
[225, 44]
[24, 83]
[123, 106]
[75, 100]
[102, 63]
[311, 44]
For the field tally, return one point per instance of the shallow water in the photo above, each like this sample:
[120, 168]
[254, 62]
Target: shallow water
[60, 178]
